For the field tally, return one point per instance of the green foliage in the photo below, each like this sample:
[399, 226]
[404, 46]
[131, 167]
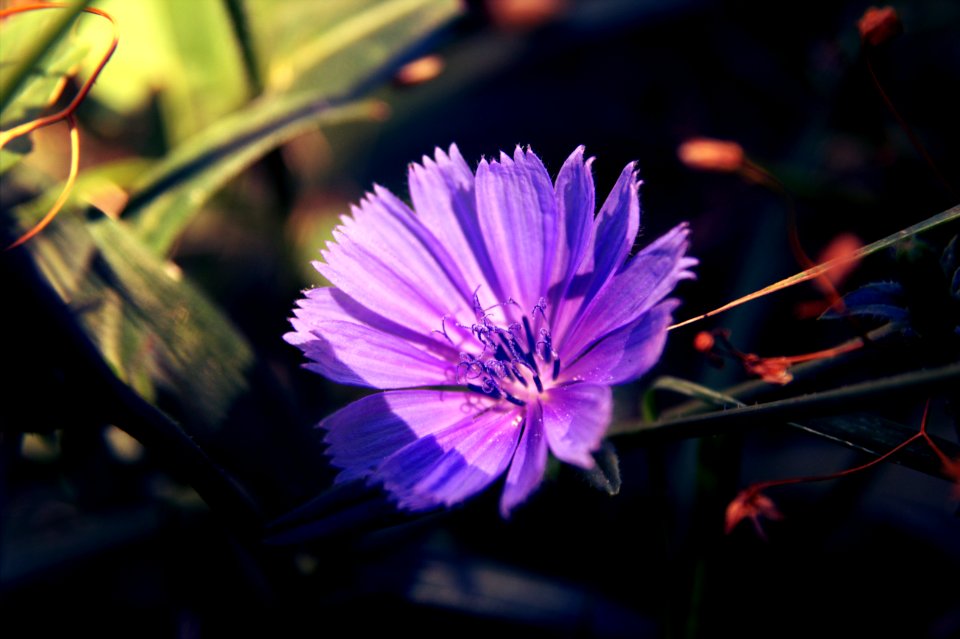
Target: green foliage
[26, 88]
[323, 47]
[167, 197]
[27, 49]
[152, 327]
[187, 70]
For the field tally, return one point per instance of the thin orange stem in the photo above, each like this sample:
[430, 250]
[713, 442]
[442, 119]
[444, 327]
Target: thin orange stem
[67, 114]
[946, 461]
[67, 187]
[846, 347]
[843, 473]
[27, 127]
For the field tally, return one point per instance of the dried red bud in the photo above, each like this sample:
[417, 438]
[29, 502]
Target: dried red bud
[704, 342]
[706, 154]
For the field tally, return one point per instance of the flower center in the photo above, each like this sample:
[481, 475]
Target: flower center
[511, 355]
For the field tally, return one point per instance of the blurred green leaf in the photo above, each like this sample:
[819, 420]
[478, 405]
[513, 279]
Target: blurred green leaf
[368, 34]
[152, 327]
[182, 53]
[166, 198]
[36, 88]
[39, 88]
[327, 47]
[27, 49]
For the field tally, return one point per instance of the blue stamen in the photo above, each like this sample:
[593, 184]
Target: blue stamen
[512, 348]
[531, 343]
[493, 393]
[520, 378]
[514, 400]
[542, 307]
[443, 328]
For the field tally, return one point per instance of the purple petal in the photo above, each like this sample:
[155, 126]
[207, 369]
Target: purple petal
[454, 462]
[356, 354]
[328, 304]
[575, 418]
[575, 206]
[518, 222]
[444, 198]
[642, 283]
[385, 259]
[352, 345]
[529, 462]
[615, 229]
[626, 353]
[368, 431]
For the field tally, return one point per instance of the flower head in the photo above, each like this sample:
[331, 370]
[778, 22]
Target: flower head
[496, 313]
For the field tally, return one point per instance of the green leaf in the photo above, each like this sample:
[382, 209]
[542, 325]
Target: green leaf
[327, 47]
[167, 197]
[153, 328]
[367, 35]
[37, 87]
[27, 58]
[181, 54]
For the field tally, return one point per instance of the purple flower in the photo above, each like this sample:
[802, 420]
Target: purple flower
[496, 312]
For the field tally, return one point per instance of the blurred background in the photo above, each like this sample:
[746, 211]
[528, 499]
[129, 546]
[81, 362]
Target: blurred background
[159, 471]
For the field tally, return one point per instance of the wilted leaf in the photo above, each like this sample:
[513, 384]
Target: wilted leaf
[605, 475]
